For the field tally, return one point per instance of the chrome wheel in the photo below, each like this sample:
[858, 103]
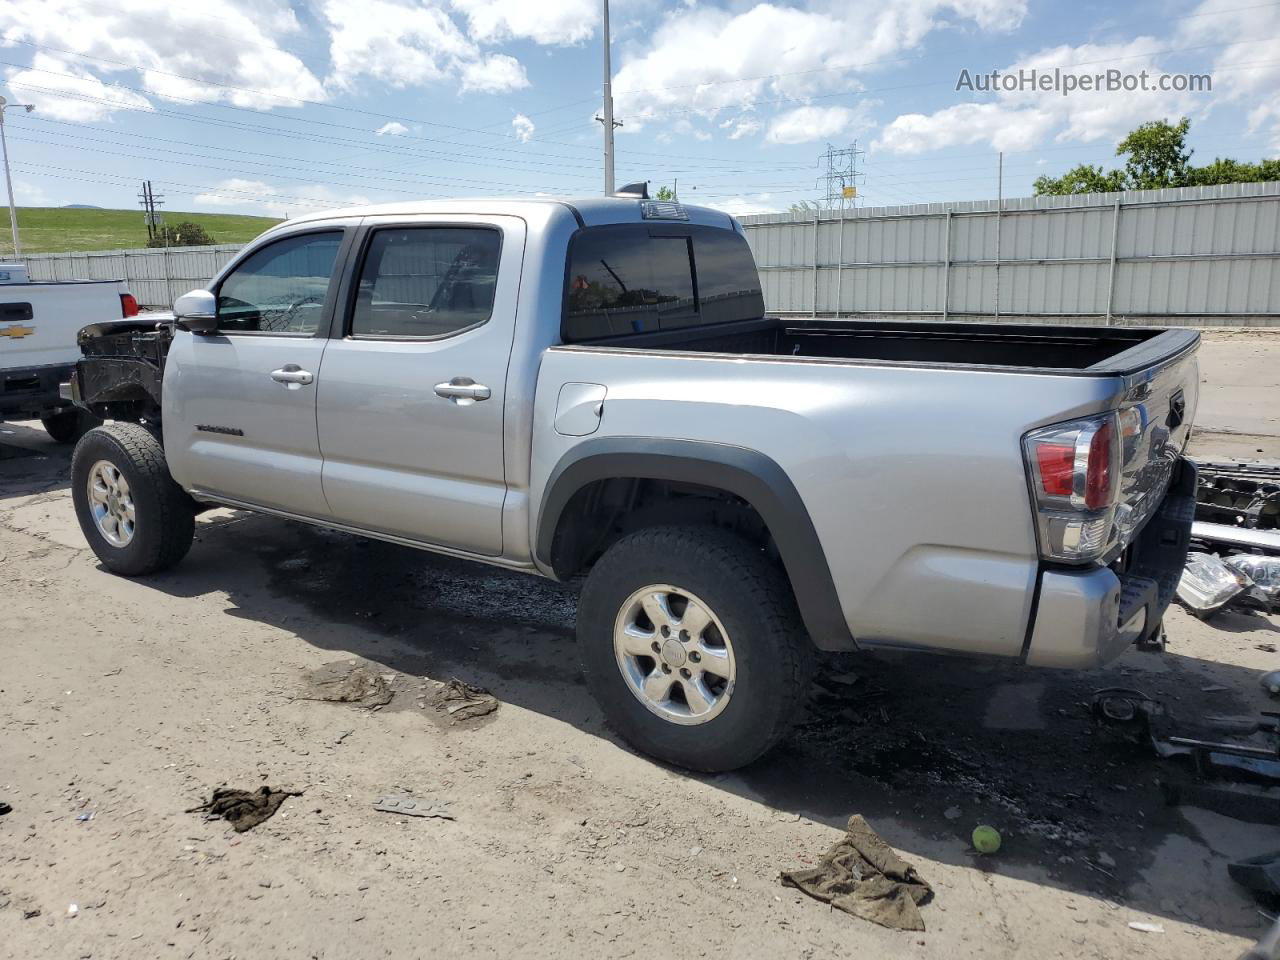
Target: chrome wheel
[674, 654]
[111, 504]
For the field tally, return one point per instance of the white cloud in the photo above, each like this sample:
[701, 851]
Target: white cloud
[391, 128]
[740, 127]
[746, 205]
[226, 43]
[546, 22]
[496, 73]
[66, 91]
[522, 127]
[783, 51]
[1243, 72]
[806, 124]
[264, 199]
[400, 43]
[1021, 119]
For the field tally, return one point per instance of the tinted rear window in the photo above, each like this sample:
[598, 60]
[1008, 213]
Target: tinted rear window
[638, 278]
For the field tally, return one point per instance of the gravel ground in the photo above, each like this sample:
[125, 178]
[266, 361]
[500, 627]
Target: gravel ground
[130, 700]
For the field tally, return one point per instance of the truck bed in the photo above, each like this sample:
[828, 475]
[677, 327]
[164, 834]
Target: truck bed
[1082, 349]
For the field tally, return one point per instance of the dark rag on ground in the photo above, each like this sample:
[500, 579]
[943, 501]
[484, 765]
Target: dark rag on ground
[244, 809]
[862, 875]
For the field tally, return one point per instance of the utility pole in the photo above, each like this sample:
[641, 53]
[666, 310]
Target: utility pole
[149, 201]
[8, 182]
[607, 119]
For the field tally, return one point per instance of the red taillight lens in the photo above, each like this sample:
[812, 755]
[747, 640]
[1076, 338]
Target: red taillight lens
[128, 305]
[1097, 484]
[1057, 463]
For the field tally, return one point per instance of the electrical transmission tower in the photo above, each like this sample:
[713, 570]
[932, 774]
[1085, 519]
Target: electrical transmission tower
[842, 177]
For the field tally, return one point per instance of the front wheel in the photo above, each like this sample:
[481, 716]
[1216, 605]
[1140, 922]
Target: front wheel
[693, 647]
[135, 517]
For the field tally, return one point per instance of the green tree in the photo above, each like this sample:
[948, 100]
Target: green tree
[665, 193]
[1157, 155]
[1082, 179]
[184, 234]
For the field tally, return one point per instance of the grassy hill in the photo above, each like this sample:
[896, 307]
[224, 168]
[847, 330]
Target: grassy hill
[58, 229]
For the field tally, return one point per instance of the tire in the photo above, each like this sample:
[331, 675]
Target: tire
[769, 662]
[163, 523]
[68, 426]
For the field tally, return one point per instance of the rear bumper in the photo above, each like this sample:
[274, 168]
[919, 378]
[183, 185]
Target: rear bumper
[27, 392]
[1088, 617]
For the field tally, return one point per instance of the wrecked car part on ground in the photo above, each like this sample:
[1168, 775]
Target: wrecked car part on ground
[1239, 494]
[1210, 583]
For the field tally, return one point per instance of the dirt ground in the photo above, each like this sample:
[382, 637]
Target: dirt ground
[122, 703]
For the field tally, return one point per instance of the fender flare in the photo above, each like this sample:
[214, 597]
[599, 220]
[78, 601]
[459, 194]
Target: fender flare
[745, 473]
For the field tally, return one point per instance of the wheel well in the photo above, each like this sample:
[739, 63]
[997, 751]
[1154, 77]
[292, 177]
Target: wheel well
[603, 511]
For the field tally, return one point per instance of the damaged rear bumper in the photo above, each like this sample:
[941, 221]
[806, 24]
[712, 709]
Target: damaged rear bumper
[1087, 617]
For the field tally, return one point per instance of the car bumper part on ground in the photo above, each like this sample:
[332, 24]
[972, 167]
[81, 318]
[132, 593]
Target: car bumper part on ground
[1088, 617]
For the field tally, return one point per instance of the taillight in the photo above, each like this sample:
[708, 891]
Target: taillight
[1097, 478]
[128, 305]
[1073, 469]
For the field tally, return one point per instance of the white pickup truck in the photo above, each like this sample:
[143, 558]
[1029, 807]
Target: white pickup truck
[38, 348]
[592, 389]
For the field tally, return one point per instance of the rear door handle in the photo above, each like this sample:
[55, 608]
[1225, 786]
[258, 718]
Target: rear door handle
[463, 390]
[292, 375]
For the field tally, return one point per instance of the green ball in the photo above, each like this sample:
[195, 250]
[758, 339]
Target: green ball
[986, 839]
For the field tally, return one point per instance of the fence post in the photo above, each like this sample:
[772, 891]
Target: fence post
[946, 269]
[815, 262]
[840, 264]
[1111, 275]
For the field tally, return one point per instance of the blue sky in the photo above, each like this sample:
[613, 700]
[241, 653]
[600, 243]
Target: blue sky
[280, 107]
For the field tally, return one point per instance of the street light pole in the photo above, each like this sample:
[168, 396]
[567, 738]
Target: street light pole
[8, 181]
[608, 110]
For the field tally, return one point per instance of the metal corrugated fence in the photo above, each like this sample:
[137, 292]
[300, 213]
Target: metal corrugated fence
[1194, 255]
[1190, 255]
[156, 277]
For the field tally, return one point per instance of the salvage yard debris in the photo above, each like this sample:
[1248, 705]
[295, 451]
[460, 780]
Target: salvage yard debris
[409, 808]
[243, 809]
[861, 875]
[1209, 583]
[347, 681]
[464, 701]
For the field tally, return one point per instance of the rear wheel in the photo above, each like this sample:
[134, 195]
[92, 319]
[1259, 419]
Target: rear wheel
[68, 426]
[135, 517]
[692, 646]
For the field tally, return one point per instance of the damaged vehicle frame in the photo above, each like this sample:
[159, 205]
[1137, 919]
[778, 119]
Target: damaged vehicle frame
[593, 389]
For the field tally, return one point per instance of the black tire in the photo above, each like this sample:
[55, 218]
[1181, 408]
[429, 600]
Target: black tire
[68, 426]
[164, 514]
[750, 596]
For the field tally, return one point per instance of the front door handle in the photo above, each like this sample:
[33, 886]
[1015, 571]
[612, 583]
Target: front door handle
[463, 390]
[292, 375]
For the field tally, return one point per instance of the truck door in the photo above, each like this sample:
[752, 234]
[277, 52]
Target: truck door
[410, 405]
[240, 404]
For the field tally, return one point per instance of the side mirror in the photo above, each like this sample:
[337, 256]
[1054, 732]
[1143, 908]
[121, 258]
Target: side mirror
[196, 311]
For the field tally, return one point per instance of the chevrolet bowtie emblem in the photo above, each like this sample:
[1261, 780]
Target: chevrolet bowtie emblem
[16, 332]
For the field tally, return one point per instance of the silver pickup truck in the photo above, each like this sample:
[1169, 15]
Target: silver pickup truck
[593, 390]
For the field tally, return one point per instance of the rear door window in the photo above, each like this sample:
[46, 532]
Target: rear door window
[426, 282]
[631, 279]
[627, 281]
